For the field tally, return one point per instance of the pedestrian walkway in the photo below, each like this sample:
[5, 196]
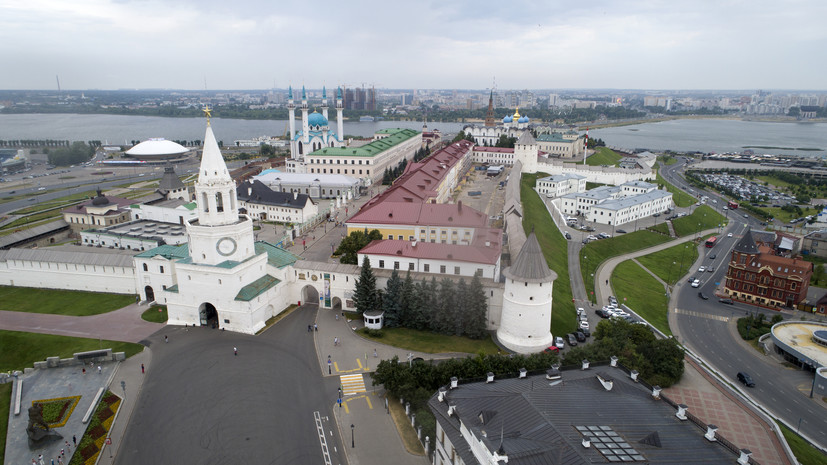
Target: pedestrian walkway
[352, 384]
[702, 315]
[713, 404]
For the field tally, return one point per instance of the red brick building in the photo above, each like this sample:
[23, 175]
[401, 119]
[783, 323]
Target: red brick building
[756, 275]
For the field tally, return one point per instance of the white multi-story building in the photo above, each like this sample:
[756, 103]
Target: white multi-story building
[264, 204]
[567, 144]
[614, 205]
[561, 184]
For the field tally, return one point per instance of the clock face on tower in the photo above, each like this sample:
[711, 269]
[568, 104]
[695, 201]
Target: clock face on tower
[226, 246]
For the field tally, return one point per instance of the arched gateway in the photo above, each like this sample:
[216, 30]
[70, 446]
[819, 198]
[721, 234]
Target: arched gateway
[310, 295]
[208, 314]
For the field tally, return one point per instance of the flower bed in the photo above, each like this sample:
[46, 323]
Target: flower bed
[56, 412]
[96, 432]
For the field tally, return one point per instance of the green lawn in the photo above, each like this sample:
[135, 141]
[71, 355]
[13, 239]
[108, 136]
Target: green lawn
[773, 181]
[638, 290]
[59, 302]
[673, 263]
[704, 217]
[555, 249]
[603, 156]
[785, 216]
[5, 405]
[595, 253]
[155, 314]
[667, 159]
[660, 228]
[681, 198]
[19, 350]
[432, 343]
[804, 452]
[31, 220]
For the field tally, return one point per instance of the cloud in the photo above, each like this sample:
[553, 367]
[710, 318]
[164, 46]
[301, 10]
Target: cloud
[253, 43]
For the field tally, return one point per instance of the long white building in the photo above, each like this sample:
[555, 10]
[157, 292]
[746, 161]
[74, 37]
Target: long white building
[561, 184]
[615, 205]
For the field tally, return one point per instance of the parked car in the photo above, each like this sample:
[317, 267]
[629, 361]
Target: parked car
[553, 349]
[581, 311]
[620, 231]
[559, 343]
[703, 296]
[613, 300]
[602, 313]
[584, 324]
[726, 301]
[746, 216]
[585, 332]
[568, 236]
[746, 379]
[696, 282]
[571, 340]
[580, 336]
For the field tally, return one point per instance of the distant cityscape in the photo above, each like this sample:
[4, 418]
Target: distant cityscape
[361, 100]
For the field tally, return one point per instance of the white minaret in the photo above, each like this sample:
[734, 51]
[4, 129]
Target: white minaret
[526, 314]
[220, 233]
[305, 125]
[291, 109]
[324, 103]
[526, 150]
[339, 121]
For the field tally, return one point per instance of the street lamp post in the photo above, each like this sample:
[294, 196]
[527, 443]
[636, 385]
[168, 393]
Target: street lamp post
[352, 436]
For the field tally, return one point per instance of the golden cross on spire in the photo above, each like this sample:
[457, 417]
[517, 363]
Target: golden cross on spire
[207, 113]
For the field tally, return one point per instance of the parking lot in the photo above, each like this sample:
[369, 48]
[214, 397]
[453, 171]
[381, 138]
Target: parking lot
[488, 193]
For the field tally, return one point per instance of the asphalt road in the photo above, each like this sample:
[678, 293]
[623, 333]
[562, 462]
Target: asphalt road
[254, 408]
[708, 328]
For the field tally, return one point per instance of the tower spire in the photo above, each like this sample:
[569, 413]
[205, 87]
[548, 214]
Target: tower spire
[489, 116]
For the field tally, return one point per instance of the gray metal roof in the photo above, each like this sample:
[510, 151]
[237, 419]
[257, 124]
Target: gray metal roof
[77, 255]
[746, 244]
[526, 138]
[169, 181]
[31, 233]
[538, 422]
[530, 264]
[625, 202]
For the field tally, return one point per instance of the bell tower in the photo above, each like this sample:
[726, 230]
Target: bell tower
[220, 233]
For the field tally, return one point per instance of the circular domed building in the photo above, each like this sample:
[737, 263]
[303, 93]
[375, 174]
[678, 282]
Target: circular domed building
[158, 149]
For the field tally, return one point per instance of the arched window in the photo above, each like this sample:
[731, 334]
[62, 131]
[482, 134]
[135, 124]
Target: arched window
[301, 148]
[219, 202]
[145, 267]
[206, 206]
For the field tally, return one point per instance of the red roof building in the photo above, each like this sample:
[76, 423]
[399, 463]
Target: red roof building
[757, 276]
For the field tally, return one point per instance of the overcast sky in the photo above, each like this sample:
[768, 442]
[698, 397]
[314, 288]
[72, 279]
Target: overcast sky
[256, 44]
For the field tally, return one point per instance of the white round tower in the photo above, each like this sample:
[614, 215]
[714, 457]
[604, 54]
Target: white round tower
[526, 313]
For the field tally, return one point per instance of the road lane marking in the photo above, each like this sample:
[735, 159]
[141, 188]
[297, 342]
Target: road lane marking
[322, 439]
[701, 315]
[352, 384]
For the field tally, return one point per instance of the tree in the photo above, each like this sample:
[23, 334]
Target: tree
[818, 273]
[460, 135]
[442, 322]
[407, 301]
[477, 308]
[354, 242]
[391, 300]
[460, 308]
[469, 137]
[365, 296]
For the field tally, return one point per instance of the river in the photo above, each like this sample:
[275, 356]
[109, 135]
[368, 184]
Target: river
[705, 135]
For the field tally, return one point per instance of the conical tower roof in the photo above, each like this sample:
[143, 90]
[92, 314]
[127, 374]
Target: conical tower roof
[526, 139]
[213, 169]
[530, 264]
[169, 181]
[746, 244]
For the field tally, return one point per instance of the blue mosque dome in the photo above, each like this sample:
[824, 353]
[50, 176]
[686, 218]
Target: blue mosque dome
[316, 119]
[507, 119]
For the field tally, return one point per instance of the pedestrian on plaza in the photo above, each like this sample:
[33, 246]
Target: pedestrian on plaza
[68, 447]
[60, 461]
[337, 317]
[315, 327]
[53, 461]
[235, 351]
[308, 328]
[142, 372]
[99, 369]
[335, 341]
[75, 440]
[166, 338]
[304, 244]
[375, 355]
[84, 370]
[40, 459]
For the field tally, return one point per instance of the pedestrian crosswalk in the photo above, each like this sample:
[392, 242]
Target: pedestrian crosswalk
[352, 384]
[701, 315]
